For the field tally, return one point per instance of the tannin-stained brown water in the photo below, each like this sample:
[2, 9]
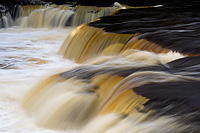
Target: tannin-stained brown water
[28, 55]
[116, 87]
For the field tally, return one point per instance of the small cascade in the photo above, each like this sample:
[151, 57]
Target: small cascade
[38, 16]
[86, 14]
[49, 17]
[5, 19]
[70, 106]
[86, 42]
[25, 11]
[76, 91]
[114, 84]
[14, 11]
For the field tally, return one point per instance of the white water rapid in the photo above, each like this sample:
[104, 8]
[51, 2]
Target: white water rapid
[26, 55]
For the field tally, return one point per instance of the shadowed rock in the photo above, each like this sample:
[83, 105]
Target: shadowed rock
[175, 28]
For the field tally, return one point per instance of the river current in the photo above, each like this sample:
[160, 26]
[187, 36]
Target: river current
[26, 56]
[30, 55]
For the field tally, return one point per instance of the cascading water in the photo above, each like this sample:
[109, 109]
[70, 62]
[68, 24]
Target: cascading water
[6, 19]
[52, 17]
[38, 16]
[127, 82]
[86, 14]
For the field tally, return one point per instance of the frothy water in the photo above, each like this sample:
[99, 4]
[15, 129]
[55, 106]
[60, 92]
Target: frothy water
[121, 86]
[26, 56]
[30, 55]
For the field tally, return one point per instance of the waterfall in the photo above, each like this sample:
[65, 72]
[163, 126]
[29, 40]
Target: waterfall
[135, 69]
[6, 19]
[86, 42]
[60, 16]
[110, 85]
[38, 16]
[50, 17]
[14, 11]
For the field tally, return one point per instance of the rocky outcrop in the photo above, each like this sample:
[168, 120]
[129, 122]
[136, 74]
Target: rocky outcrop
[175, 28]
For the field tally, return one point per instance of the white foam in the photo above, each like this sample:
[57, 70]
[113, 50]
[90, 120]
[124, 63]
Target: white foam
[29, 55]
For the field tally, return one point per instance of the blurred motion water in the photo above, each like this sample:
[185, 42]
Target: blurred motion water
[29, 55]
[138, 72]
[25, 56]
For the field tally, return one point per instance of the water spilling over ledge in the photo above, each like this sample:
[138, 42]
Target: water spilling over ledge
[47, 16]
[152, 29]
[5, 18]
[138, 69]
[129, 88]
[158, 25]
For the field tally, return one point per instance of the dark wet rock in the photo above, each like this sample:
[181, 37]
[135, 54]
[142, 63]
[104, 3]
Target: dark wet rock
[175, 28]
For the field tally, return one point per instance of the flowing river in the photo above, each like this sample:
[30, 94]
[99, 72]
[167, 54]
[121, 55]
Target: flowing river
[29, 55]
[120, 83]
[26, 56]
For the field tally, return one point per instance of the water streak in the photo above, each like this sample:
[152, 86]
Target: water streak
[38, 16]
[26, 55]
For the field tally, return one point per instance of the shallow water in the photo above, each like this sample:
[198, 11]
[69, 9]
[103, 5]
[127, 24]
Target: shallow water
[26, 55]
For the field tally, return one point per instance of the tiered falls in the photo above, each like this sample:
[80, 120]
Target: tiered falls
[139, 65]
